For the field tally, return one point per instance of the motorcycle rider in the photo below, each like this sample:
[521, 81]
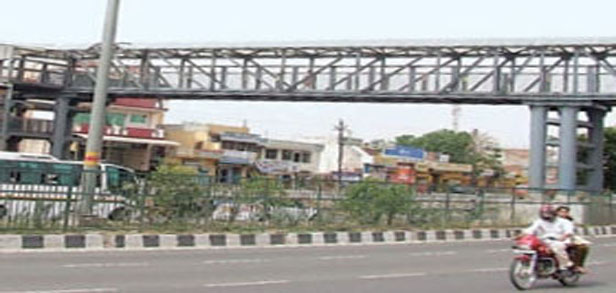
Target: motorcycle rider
[579, 244]
[554, 231]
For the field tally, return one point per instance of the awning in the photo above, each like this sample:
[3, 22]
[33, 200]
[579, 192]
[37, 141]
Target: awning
[134, 140]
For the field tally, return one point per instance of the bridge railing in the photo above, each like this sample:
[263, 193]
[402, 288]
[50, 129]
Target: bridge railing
[34, 71]
[390, 71]
[393, 71]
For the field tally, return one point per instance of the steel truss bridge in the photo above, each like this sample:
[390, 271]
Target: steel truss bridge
[570, 77]
[422, 73]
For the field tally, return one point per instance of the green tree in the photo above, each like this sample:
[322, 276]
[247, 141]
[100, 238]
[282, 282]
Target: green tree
[455, 144]
[177, 192]
[369, 201]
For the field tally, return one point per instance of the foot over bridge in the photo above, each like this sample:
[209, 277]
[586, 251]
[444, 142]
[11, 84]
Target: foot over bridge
[568, 83]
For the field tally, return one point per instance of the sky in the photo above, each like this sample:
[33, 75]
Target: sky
[79, 23]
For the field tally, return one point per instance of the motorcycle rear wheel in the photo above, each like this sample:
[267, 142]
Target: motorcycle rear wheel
[569, 279]
[521, 275]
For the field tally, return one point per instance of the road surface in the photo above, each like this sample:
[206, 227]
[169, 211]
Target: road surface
[435, 267]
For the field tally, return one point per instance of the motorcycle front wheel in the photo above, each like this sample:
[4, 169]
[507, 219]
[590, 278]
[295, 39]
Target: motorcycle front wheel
[522, 276]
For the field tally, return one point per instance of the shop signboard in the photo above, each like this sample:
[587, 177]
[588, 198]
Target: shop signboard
[412, 154]
[404, 174]
[451, 167]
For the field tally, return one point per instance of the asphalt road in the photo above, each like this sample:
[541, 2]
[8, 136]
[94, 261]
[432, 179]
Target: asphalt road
[437, 267]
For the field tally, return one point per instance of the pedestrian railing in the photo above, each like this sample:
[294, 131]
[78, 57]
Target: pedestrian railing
[40, 201]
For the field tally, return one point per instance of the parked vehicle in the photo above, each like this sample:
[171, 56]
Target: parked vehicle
[534, 260]
[41, 184]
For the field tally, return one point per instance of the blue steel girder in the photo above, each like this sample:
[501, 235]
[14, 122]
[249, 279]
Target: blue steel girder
[487, 73]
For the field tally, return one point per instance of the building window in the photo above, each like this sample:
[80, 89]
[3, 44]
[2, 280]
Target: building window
[297, 157]
[227, 145]
[286, 155]
[116, 119]
[214, 137]
[81, 118]
[241, 147]
[306, 157]
[138, 118]
[271, 154]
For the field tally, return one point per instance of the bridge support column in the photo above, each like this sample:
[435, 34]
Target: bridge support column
[62, 128]
[567, 165]
[538, 129]
[595, 159]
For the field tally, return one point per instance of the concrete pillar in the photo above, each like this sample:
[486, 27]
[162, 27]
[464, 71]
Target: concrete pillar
[595, 160]
[538, 129]
[567, 165]
[62, 128]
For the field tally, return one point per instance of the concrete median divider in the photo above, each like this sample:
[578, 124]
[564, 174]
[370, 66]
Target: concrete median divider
[94, 241]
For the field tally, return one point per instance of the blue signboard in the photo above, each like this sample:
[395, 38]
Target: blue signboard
[406, 152]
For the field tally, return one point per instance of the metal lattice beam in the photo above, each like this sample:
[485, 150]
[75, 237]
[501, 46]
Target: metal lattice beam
[461, 73]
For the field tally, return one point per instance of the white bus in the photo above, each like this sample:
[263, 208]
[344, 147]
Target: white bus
[41, 184]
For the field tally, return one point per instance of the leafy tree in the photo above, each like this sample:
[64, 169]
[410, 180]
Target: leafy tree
[455, 144]
[369, 201]
[177, 192]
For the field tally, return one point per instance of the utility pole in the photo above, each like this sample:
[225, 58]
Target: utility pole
[97, 116]
[341, 128]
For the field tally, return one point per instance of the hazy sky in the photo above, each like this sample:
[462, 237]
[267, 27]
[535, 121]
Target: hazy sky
[65, 22]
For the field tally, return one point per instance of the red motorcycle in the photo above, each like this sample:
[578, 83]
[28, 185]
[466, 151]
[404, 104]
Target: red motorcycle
[534, 260]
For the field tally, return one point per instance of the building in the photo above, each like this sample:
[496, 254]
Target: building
[132, 133]
[133, 136]
[407, 165]
[227, 152]
[515, 164]
[354, 157]
[288, 159]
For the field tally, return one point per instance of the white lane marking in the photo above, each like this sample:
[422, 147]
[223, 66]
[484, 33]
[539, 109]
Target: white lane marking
[489, 270]
[597, 263]
[499, 250]
[90, 290]
[234, 261]
[106, 265]
[435, 253]
[342, 257]
[608, 245]
[392, 276]
[244, 284]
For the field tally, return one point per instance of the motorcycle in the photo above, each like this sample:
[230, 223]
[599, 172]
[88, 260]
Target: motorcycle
[534, 260]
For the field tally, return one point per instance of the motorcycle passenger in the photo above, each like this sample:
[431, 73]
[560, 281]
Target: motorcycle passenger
[554, 231]
[579, 244]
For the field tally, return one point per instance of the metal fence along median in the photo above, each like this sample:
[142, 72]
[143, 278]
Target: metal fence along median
[45, 199]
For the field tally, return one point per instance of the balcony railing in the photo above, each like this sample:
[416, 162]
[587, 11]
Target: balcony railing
[200, 154]
[247, 156]
[134, 132]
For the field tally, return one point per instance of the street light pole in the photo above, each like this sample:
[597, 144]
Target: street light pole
[97, 116]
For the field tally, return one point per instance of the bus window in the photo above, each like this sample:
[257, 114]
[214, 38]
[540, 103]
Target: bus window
[30, 172]
[113, 178]
[7, 171]
[118, 177]
[64, 174]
